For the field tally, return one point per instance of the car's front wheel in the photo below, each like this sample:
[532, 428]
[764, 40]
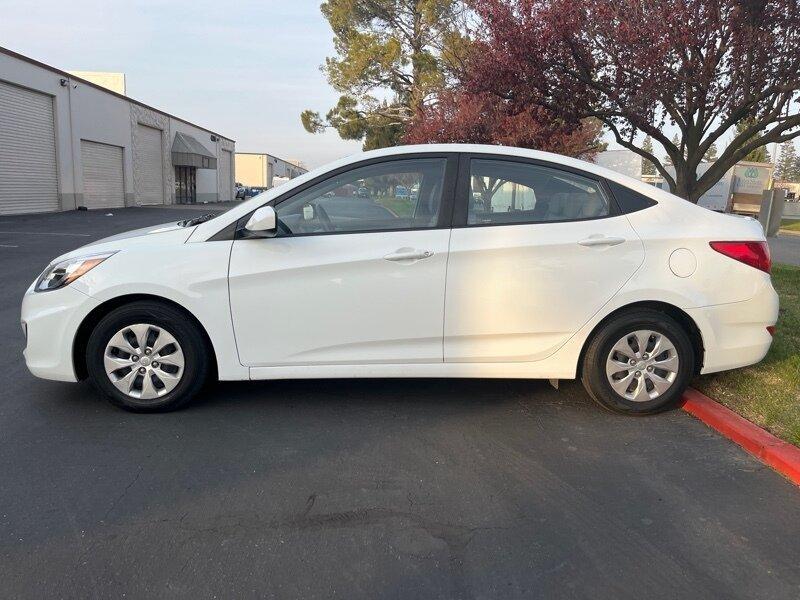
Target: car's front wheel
[147, 357]
[638, 363]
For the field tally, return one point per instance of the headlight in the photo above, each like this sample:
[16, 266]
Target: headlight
[63, 273]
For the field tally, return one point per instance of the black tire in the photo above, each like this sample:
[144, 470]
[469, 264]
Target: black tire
[593, 368]
[191, 341]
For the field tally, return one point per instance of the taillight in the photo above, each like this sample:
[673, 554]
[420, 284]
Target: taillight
[755, 254]
[771, 330]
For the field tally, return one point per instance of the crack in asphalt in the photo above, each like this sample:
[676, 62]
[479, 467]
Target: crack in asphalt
[122, 495]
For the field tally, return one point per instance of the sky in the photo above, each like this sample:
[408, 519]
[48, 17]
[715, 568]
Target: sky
[245, 69]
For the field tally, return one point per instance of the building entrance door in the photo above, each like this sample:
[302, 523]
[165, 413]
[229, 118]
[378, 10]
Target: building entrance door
[185, 185]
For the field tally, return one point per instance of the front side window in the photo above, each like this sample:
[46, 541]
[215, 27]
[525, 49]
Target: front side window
[401, 194]
[510, 192]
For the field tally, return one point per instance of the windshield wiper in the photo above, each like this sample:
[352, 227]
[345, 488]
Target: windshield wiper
[197, 220]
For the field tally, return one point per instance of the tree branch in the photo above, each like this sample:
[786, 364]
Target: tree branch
[649, 156]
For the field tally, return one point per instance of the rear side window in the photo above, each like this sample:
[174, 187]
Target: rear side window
[504, 192]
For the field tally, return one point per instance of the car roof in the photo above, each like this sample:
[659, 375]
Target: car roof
[567, 161]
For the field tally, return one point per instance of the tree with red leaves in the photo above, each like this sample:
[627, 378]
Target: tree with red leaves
[702, 66]
[484, 118]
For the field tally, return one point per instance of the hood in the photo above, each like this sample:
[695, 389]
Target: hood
[163, 235]
[152, 230]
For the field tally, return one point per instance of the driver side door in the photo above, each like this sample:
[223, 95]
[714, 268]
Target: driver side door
[356, 272]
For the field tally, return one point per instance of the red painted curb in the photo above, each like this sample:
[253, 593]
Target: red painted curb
[781, 456]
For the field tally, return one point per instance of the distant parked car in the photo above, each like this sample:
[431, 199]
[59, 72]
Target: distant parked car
[401, 192]
[363, 192]
[249, 192]
[240, 192]
[580, 273]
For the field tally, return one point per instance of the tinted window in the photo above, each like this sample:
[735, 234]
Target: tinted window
[629, 200]
[371, 198]
[509, 192]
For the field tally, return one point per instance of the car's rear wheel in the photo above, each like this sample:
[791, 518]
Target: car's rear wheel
[638, 363]
[147, 357]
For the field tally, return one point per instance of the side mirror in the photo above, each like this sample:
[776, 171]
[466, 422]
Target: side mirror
[263, 221]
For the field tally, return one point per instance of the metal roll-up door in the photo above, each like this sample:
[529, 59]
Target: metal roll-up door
[225, 176]
[28, 168]
[150, 159]
[103, 183]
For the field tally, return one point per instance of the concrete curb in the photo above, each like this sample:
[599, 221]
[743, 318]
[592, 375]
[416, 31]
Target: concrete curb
[788, 232]
[781, 456]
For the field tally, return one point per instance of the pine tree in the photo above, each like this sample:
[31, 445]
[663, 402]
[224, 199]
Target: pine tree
[796, 169]
[648, 168]
[786, 167]
[760, 154]
[391, 57]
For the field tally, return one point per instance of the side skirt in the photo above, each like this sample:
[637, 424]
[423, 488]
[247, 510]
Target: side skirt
[540, 370]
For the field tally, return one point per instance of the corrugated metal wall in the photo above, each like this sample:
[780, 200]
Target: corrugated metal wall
[28, 175]
[103, 180]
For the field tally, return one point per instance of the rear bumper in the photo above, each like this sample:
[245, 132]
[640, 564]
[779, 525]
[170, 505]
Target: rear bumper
[735, 335]
[50, 321]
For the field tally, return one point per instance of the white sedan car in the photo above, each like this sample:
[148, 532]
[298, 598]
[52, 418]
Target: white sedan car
[505, 263]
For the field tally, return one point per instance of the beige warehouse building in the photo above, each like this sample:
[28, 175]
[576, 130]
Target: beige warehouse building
[67, 143]
[261, 170]
[111, 81]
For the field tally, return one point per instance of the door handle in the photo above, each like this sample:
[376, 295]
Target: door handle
[408, 254]
[601, 240]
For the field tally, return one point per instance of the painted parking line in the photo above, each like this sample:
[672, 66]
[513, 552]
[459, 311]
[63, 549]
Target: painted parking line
[46, 233]
[8, 246]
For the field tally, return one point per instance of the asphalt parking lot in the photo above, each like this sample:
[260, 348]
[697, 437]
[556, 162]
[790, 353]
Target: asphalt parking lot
[365, 489]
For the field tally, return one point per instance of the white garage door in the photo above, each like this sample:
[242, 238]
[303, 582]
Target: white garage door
[28, 177]
[103, 184]
[150, 162]
[225, 176]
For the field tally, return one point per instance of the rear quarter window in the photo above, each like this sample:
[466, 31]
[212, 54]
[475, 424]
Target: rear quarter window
[628, 200]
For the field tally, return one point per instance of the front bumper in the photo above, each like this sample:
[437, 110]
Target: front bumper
[735, 335]
[50, 321]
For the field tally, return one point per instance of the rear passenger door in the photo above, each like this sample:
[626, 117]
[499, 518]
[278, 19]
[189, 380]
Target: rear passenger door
[535, 251]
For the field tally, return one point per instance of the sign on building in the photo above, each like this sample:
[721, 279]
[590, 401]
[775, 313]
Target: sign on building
[751, 178]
